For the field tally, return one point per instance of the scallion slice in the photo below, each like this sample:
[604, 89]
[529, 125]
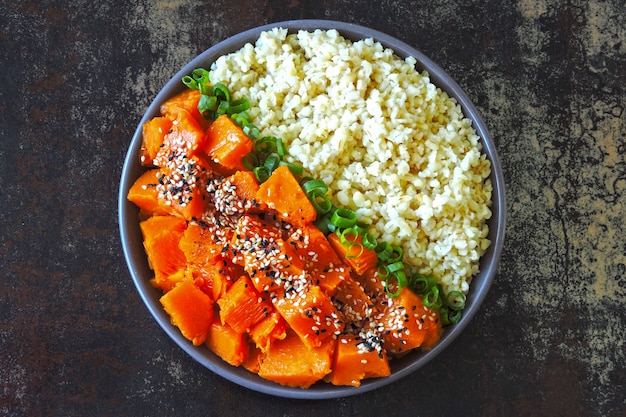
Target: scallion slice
[384, 251]
[295, 169]
[369, 241]
[343, 218]
[455, 300]
[238, 106]
[261, 173]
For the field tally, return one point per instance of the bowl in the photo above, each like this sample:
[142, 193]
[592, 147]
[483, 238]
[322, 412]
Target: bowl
[136, 259]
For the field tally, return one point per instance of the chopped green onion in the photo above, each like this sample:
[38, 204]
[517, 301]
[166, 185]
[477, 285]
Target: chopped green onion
[238, 106]
[396, 253]
[241, 119]
[432, 299]
[396, 266]
[200, 75]
[320, 202]
[369, 241]
[261, 174]
[250, 161]
[314, 185]
[267, 144]
[401, 277]
[324, 224]
[221, 92]
[251, 131]
[455, 300]
[419, 283]
[223, 107]
[190, 82]
[455, 317]
[348, 236]
[295, 169]
[271, 162]
[207, 104]
[343, 218]
[384, 251]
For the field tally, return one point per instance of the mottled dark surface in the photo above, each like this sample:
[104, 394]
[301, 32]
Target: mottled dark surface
[549, 78]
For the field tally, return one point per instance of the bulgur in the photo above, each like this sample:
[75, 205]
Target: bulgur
[388, 143]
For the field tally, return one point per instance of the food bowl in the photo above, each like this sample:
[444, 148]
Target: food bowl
[141, 274]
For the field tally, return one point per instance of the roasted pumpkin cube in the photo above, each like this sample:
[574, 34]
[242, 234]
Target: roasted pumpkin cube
[282, 194]
[355, 359]
[408, 324]
[292, 363]
[190, 310]
[161, 237]
[243, 306]
[310, 313]
[227, 343]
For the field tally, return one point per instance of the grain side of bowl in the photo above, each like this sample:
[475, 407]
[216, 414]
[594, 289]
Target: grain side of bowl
[388, 143]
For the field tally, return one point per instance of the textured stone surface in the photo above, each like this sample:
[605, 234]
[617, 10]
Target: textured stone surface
[548, 77]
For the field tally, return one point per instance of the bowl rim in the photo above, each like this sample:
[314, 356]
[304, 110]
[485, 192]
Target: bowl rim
[136, 259]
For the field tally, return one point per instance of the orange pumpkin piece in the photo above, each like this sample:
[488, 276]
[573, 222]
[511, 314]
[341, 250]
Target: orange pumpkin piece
[351, 299]
[282, 193]
[258, 246]
[203, 246]
[243, 306]
[355, 360]
[359, 258]
[227, 343]
[190, 310]
[320, 259]
[268, 330]
[371, 283]
[212, 279]
[161, 237]
[175, 190]
[310, 314]
[408, 324]
[200, 245]
[144, 194]
[252, 362]
[165, 284]
[245, 184]
[245, 187]
[227, 144]
[186, 100]
[153, 136]
[185, 137]
[292, 363]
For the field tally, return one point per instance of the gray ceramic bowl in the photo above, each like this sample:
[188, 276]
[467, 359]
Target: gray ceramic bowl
[137, 261]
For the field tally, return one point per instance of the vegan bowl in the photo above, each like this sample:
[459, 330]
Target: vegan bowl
[363, 129]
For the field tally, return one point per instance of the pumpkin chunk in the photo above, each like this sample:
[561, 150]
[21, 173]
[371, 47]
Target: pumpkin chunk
[227, 343]
[408, 324]
[291, 362]
[144, 194]
[186, 100]
[268, 330]
[190, 310]
[319, 257]
[355, 361]
[227, 144]
[243, 306]
[359, 258]
[153, 136]
[161, 237]
[310, 313]
[282, 193]
[185, 138]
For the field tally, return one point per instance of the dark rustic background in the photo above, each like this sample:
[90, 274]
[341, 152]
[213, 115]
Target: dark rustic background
[549, 78]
